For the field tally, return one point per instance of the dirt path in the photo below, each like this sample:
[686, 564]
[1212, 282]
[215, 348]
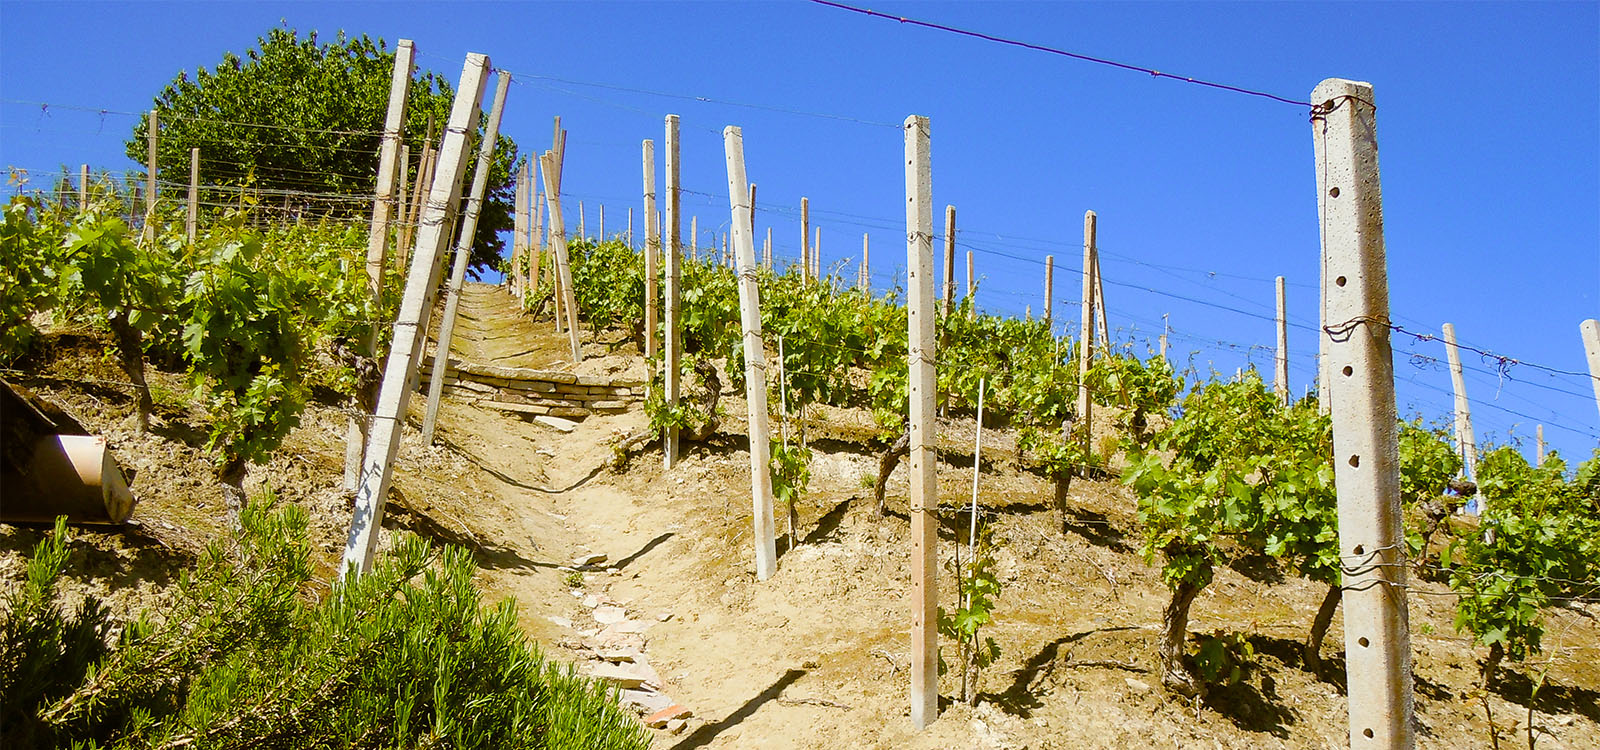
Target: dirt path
[817, 656]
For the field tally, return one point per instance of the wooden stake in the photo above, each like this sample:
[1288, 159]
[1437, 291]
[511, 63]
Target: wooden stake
[83, 187]
[1590, 330]
[755, 368]
[1166, 328]
[674, 257]
[694, 238]
[630, 226]
[193, 219]
[406, 347]
[536, 243]
[652, 248]
[924, 499]
[1086, 325]
[1280, 381]
[551, 163]
[463, 253]
[1366, 457]
[972, 286]
[1466, 443]
[391, 157]
[950, 260]
[602, 232]
[816, 254]
[805, 238]
[153, 139]
[1538, 442]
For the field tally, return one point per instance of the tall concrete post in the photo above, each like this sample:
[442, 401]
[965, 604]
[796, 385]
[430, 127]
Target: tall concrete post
[1591, 348]
[1466, 443]
[1086, 326]
[924, 499]
[1372, 545]
[1280, 380]
[652, 248]
[673, 339]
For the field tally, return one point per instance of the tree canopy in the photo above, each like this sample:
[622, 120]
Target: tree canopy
[297, 124]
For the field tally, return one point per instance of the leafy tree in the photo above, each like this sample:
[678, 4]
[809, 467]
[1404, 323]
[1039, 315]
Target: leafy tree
[298, 124]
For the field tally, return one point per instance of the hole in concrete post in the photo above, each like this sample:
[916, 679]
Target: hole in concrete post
[1348, 371]
[1364, 642]
[1355, 461]
[1339, 281]
[1367, 733]
[1334, 192]
[1359, 549]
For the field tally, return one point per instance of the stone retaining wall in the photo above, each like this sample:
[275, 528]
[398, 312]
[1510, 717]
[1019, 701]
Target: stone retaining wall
[537, 392]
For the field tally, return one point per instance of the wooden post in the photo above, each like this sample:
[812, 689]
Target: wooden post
[602, 232]
[694, 238]
[391, 157]
[1049, 288]
[924, 500]
[153, 138]
[521, 247]
[630, 226]
[418, 193]
[1086, 325]
[755, 368]
[1590, 329]
[1366, 456]
[673, 342]
[551, 163]
[193, 219]
[1466, 443]
[1166, 328]
[1280, 380]
[402, 180]
[1100, 304]
[536, 242]
[83, 187]
[805, 238]
[406, 347]
[652, 248]
[865, 281]
[463, 252]
[950, 260]
[1538, 443]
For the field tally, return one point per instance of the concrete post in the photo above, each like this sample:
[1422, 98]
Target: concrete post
[583, 233]
[972, 286]
[1100, 304]
[1538, 442]
[1166, 328]
[755, 368]
[1366, 455]
[816, 254]
[694, 238]
[1280, 380]
[463, 252]
[866, 281]
[652, 248]
[551, 164]
[1049, 286]
[924, 500]
[1466, 442]
[406, 347]
[766, 251]
[673, 342]
[83, 187]
[1590, 329]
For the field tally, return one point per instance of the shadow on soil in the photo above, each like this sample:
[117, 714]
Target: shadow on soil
[1023, 696]
[1097, 529]
[420, 523]
[708, 732]
[650, 545]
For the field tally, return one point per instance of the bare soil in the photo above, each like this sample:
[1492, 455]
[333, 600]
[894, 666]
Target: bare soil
[816, 657]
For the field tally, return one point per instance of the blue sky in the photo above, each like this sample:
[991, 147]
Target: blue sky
[1487, 130]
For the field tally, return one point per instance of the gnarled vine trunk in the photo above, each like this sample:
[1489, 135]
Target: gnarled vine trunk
[1174, 638]
[130, 355]
[231, 475]
[886, 463]
[1319, 627]
[1063, 481]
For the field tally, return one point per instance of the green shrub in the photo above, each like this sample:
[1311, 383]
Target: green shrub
[244, 654]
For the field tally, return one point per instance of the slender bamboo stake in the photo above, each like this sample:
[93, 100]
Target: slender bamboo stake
[754, 365]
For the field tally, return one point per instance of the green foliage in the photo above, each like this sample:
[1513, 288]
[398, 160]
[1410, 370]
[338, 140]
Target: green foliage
[44, 652]
[296, 116]
[1224, 658]
[404, 656]
[29, 271]
[608, 283]
[791, 471]
[977, 586]
[1427, 463]
[1137, 388]
[1539, 540]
